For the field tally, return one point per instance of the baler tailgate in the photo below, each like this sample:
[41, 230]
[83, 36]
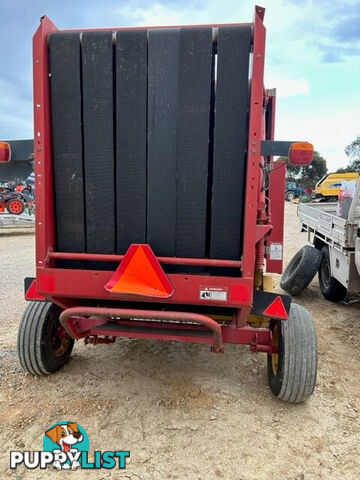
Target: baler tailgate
[149, 140]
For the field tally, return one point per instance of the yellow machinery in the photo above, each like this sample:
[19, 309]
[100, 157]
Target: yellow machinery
[329, 186]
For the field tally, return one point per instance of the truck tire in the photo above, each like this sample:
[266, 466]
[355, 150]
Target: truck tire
[289, 196]
[301, 269]
[331, 288]
[292, 372]
[43, 346]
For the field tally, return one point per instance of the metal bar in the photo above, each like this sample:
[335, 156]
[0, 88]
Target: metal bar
[8, 220]
[275, 147]
[166, 260]
[162, 324]
[45, 232]
[153, 334]
[21, 150]
[255, 137]
[275, 202]
[246, 335]
[215, 26]
[208, 322]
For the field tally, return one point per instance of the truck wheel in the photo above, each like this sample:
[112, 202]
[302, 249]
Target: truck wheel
[301, 270]
[292, 371]
[331, 288]
[289, 196]
[42, 344]
[15, 206]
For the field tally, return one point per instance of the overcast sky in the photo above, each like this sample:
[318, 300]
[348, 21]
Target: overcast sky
[313, 57]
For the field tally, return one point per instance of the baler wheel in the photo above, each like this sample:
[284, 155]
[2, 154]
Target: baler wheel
[43, 345]
[292, 371]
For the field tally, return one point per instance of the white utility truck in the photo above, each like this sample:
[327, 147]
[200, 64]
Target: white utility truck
[334, 250]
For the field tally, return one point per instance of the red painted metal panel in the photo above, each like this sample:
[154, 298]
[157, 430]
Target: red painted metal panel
[42, 143]
[255, 137]
[46, 282]
[91, 284]
[275, 240]
[275, 197]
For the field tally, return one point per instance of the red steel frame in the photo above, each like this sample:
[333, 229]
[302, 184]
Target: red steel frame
[68, 287]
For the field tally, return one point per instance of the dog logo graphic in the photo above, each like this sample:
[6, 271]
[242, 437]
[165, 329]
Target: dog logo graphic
[66, 440]
[66, 446]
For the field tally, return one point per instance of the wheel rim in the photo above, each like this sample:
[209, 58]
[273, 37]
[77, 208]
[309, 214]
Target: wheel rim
[325, 273]
[275, 342]
[16, 206]
[59, 342]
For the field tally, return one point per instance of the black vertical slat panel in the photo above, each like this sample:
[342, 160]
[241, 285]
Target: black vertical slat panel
[131, 111]
[163, 61]
[230, 142]
[97, 90]
[194, 93]
[64, 52]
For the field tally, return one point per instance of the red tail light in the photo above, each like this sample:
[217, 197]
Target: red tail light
[301, 153]
[5, 152]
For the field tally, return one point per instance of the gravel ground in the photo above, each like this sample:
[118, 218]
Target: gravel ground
[183, 412]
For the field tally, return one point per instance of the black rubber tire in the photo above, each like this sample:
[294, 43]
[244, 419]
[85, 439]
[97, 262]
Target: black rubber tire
[295, 377]
[289, 196]
[15, 200]
[36, 342]
[301, 269]
[331, 288]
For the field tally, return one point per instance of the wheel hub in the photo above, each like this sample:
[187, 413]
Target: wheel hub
[15, 207]
[59, 341]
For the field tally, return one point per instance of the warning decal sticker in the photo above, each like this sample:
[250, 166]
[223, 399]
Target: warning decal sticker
[213, 293]
[276, 251]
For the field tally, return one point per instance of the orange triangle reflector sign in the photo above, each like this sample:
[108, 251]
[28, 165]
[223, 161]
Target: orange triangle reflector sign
[140, 273]
[276, 309]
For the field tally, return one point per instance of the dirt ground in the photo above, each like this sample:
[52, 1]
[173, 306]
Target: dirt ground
[183, 412]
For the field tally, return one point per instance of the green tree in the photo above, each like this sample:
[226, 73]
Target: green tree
[307, 176]
[353, 152]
